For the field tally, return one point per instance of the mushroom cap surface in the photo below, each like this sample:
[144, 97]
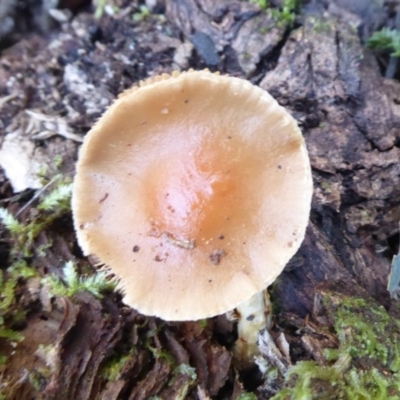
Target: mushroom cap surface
[195, 190]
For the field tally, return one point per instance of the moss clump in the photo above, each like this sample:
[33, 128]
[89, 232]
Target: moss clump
[325, 185]
[142, 14]
[285, 15]
[247, 396]
[190, 373]
[263, 4]
[9, 313]
[366, 365]
[21, 238]
[365, 330]
[113, 367]
[386, 39]
[23, 235]
[72, 283]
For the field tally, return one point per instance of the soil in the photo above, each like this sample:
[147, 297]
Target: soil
[66, 74]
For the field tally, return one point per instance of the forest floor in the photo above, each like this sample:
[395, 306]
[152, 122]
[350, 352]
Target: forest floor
[65, 334]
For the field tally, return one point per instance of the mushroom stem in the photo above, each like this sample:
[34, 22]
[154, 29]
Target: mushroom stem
[253, 315]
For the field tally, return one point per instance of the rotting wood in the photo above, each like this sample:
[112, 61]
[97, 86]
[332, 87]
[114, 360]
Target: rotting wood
[350, 117]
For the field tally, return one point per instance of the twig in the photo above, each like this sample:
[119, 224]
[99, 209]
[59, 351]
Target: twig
[37, 194]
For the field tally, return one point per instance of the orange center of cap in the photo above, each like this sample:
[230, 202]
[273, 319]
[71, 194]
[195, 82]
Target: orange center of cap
[191, 195]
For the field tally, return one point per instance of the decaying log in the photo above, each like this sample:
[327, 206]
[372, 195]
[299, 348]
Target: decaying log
[322, 73]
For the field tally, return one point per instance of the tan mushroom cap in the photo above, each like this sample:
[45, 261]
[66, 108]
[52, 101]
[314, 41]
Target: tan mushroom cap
[195, 190]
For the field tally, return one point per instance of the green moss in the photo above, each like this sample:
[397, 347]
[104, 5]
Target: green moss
[143, 14]
[325, 185]
[11, 223]
[113, 367]
[386, 39]
[58, 161]
[9, 313]
[184, 369]
[51, 207]
[21, 238]
[100, 5]
[37, 380]
[190, 372]
[203, 323]
[263, 4]
[321, 26]
[41, 249]
[72, 283]
[362, 337]
[163, 354]
[286, 15]
[58, 200]
[366, 364]
[247, 396]
[46, 206]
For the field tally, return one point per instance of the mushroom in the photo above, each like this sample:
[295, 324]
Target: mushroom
[194, 189]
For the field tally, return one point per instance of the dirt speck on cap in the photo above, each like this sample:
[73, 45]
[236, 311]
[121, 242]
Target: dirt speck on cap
[216, 256]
